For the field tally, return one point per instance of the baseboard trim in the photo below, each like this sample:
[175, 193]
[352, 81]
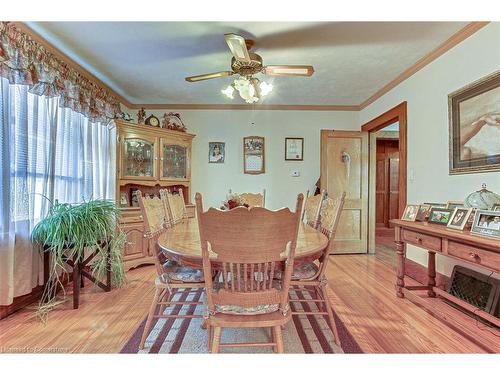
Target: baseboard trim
[418, 273]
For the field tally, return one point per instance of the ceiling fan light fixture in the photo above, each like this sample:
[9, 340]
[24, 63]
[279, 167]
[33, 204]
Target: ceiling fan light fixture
[265, 88]
[228, 91]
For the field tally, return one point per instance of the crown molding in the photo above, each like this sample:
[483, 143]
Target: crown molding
[68, 60]
[249, 107]
[455, 39]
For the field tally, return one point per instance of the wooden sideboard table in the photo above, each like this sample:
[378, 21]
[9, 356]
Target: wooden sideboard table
[480, 251]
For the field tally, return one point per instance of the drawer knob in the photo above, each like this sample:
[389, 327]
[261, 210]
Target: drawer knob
[473, 255]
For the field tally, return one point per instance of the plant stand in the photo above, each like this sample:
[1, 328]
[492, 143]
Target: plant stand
[79, 274]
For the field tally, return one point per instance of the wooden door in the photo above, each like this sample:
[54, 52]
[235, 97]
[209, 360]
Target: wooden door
[344, 167]
[387, 182]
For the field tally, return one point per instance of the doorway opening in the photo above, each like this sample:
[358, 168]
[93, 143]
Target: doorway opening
[386, 159]
[387, 178]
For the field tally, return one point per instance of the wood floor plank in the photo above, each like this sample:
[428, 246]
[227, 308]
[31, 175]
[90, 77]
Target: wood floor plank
[361, 289]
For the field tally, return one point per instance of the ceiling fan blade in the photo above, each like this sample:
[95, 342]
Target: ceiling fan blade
[203, 77]
[289, 70]
[238, 47]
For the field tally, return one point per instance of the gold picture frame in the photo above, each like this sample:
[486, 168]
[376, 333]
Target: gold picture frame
[474, 117]
[254, 155]
[454, 204]
[410, 212]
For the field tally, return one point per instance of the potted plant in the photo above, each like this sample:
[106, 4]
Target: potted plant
[69, 229]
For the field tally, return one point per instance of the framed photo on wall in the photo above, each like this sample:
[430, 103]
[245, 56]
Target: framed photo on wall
[216, 152]
[254, 155]
[294, 149]
[474, 115]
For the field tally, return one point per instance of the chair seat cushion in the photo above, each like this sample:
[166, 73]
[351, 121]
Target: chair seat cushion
[240, 310]
[304, 271]
[175, 272]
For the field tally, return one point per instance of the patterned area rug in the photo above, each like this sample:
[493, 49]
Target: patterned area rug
[303, 334]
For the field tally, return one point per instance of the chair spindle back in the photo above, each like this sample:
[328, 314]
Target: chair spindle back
[250, 244]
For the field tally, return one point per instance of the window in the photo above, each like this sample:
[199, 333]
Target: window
[49, 151]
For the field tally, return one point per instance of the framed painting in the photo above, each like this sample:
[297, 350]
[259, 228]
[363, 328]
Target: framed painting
[294, 149]
[254, 155]
[474, 115]
[216, 152]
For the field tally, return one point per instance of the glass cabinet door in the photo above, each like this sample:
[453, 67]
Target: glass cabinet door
[174, 161]
[138, 157]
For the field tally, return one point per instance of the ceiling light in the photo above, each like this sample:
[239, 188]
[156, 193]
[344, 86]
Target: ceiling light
[228, 91]
[265, 88]
[249, 88]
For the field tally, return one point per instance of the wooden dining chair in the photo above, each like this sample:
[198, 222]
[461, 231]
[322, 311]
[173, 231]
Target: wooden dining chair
[253, 199]
[166, 207]
[171, 277]
[176, 206]
[245, 245]
[311, 275]
[312, 207]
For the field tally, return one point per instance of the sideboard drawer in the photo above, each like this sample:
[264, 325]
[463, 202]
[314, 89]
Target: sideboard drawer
[471, 254]
[422, 240]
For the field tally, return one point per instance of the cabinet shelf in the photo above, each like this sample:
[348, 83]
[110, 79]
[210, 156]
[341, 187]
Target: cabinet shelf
[148, 159]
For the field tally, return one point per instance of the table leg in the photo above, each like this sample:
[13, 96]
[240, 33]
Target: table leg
[76, 282]
[400, 282]
[431, 273]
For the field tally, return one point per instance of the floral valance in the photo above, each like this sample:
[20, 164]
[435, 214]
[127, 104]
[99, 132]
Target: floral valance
[24, 61]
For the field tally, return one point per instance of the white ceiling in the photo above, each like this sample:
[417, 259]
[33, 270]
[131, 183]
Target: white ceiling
[146, 62]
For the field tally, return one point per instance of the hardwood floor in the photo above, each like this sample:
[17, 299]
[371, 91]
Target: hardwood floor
[361, 289]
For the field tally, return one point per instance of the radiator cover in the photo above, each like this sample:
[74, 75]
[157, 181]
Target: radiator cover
[476, 289]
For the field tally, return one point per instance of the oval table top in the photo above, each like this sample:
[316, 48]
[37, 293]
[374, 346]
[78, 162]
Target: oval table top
[182, 243]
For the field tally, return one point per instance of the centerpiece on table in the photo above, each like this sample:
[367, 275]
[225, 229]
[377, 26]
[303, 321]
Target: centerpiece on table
[233, 200]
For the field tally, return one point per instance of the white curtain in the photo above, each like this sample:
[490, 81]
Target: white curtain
[46, 153]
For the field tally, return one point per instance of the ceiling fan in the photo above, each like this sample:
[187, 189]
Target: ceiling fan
[246, 64]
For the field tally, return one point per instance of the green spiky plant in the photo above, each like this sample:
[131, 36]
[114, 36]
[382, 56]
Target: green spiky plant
[82, 226]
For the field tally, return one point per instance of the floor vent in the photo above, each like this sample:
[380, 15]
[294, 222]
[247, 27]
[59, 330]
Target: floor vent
[475, 288]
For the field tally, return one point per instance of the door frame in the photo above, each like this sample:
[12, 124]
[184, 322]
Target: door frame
[399, 114]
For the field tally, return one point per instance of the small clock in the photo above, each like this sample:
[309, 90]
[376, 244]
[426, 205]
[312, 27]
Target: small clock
[152, 120]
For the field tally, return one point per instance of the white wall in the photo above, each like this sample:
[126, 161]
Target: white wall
[230, 126]
[427, 95]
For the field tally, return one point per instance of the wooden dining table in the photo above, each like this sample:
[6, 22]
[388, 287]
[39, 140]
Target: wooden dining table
[182, 244]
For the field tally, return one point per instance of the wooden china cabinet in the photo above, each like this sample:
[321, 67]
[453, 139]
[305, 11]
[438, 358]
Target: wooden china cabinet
[148, 159]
